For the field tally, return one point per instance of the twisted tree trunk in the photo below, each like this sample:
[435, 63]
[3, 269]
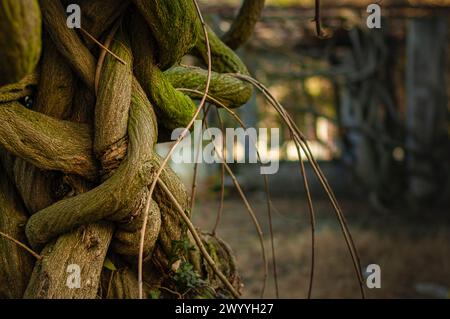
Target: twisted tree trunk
[78, 128]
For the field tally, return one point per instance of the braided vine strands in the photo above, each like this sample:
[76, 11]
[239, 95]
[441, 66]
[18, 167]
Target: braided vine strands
[242, 27]
[174, 26]
[78, 127]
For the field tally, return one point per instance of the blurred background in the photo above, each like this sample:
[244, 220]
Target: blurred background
[373, 104]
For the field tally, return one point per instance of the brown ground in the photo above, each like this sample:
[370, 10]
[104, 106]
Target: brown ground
[410, 250]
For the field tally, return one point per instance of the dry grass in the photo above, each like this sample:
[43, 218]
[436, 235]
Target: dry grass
[410, 251]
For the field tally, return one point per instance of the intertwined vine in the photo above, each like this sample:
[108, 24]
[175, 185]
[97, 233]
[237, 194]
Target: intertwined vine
[78, 126]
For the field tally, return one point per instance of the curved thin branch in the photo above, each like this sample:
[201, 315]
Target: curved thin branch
[244, 198]
[103, 47]
[302, 142]
[253, 218]
[198, 241]
[194, 178]
[21, 245]
[222, 179]
[102, 56]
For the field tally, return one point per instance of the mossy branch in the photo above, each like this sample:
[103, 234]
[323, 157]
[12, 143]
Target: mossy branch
[46, 142]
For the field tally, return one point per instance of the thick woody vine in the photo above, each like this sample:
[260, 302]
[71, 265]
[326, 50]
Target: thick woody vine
[80, 114]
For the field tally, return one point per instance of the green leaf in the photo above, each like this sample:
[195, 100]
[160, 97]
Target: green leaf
[108, 264]
[154, 294]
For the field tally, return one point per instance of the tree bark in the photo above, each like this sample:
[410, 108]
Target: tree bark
[77, 160]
